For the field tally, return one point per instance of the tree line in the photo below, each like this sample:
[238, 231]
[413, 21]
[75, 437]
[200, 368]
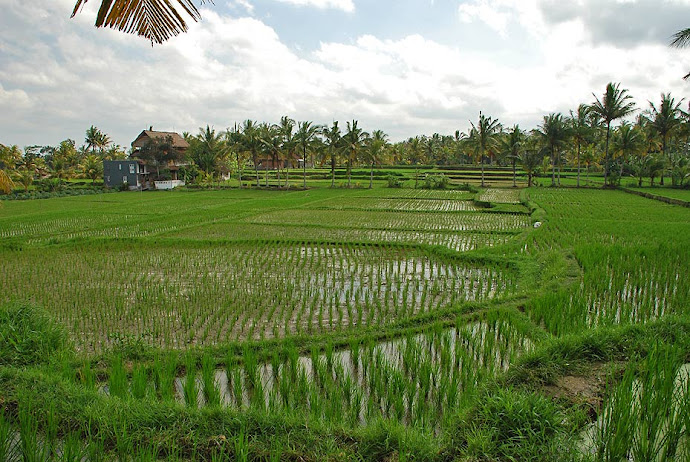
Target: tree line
[22, 167]
[609, 134]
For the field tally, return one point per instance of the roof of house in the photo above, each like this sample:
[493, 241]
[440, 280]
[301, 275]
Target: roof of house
[178, 141]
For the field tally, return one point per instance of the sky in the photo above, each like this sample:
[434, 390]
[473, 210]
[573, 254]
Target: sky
[407, 67]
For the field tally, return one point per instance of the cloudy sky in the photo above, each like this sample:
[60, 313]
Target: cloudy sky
[408, 67]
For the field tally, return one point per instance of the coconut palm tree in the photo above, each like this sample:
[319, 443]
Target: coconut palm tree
[416, 155]
[511, 145]
[155, 20]
[353, 144]
[96, 140]
[92, 167]
[614, 105]
[628, 141]
[271, 140]
[376, 145]
[530, 160]
[287, 125]
[483, 138]
[234, 140]
[580, 131]
[250, 142]
[333, 140]
[305, 137]
[554, 134]
[664, 120]
[207, 149]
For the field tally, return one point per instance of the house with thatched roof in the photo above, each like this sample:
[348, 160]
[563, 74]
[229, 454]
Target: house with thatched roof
[179, 144]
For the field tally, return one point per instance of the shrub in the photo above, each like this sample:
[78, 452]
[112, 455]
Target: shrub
[27, 335]
[514, 425]
[436, 182]
[393, 182]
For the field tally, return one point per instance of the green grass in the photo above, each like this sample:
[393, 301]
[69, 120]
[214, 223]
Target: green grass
[672, 193]
[336, 324]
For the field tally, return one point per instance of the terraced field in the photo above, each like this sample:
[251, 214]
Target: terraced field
[328, 321]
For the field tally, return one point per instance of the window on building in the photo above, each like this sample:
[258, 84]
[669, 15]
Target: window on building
[131, 168]
[120, 165]
[124, 179]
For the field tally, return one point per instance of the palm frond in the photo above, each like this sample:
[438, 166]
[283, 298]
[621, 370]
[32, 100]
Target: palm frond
[681, 39]
[156, 20]
[6, 183]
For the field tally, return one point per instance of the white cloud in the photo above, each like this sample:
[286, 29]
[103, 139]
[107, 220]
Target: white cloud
[60, 76]
[245, 4]
[344, 5]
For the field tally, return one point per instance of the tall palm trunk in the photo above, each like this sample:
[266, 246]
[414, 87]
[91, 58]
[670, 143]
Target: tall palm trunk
[304, 168]
[371, 176]
[578, 164]
[559, 172]
[349, 172]
[482, 169]
[332, 171]
[514, 174]
[256, 170]
[239, 170]
[553, 167]
[606, 155]
[663, 152]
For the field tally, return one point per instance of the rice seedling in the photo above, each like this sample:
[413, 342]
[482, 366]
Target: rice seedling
[190, 391]
[8, 439]
[117, 381]
[33, 447]
[73, 449]
[208, 378]
[174, 298]
[645, 413]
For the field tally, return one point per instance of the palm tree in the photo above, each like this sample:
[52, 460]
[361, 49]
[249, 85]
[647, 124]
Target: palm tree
[207, 148]
[251, 143]
[664, 121]
[233, 140]
[333, 140]
[92, 167]
[681, 39]
[484, 138]
[376, 145]
[614, 105]
[530, 160]
[554, 134]
[627, 141]
[271, 140]
[288, 144]
[511, 145]
[154, 20]
[416, 153]
[305, 137]
[581, 131]
[353, 144]
[96, 140]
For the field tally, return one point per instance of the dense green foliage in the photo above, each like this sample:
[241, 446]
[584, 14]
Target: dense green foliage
[28, 335]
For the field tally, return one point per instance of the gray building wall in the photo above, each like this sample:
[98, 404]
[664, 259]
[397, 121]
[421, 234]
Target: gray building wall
[116, 172]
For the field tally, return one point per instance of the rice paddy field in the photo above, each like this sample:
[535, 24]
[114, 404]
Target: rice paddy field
[331, 324]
